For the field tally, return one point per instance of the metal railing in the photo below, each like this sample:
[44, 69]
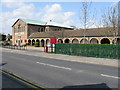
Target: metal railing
[49, 49]
[15, 47]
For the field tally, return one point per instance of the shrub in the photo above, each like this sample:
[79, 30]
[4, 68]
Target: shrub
[36, 44]
[92, 50]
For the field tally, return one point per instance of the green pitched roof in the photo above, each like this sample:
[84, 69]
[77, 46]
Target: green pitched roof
[35, 22]
[57, 24]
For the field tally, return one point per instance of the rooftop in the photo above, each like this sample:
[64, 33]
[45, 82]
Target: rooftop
[50, 23]
[98, 32]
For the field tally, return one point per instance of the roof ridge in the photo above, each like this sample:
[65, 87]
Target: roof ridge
[43, 23]
[31, 20]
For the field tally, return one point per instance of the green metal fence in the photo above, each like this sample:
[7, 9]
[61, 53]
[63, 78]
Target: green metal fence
[91, 50]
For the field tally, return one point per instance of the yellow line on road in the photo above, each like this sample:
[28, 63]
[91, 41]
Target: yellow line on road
[21, 79]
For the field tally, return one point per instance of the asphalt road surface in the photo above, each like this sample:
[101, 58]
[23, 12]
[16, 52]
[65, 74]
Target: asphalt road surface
[53, 73]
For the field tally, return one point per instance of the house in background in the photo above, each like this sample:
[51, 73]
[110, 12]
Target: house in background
[23, 28]
[31, 31]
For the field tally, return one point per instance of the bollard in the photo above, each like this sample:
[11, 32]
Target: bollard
[46, 49]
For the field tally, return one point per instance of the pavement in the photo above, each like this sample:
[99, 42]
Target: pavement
[39, 51]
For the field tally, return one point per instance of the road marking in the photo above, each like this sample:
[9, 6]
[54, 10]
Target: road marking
[79, 71]
[54, 66]
[21, 79]
[109, 76]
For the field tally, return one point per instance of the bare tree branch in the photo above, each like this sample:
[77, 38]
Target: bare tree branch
[110, 19]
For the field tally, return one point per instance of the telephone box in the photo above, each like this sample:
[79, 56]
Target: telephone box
[53, 40]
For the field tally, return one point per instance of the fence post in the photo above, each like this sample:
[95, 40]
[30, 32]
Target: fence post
[26, 47]
[55, 49]
[69, 49]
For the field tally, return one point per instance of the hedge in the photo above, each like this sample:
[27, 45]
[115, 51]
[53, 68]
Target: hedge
[90, 50]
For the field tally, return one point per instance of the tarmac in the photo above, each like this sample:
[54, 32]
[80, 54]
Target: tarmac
[13, 81]
[39, 51]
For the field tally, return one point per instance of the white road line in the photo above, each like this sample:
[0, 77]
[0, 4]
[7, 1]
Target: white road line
[110, 76]
[54, 66]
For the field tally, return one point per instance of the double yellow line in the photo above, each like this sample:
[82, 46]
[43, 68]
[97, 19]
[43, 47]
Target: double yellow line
[24, 81]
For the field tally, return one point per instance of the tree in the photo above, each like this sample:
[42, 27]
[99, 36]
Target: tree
[85, 16]
[2, 37]
[110, 21]
[9, 37]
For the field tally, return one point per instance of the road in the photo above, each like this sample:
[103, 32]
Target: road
[52, 73]
[13, 81]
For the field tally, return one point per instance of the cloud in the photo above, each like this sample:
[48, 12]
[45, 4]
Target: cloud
[20, 10]
[52, 12]
[55, 13]
[13, 4]
[92, 24]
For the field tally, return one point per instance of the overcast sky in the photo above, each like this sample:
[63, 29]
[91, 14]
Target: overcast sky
[67, 13]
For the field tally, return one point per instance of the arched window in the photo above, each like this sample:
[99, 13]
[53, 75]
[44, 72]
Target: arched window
[60, 41]
[19, 27]
[38, 42]
[116, 41]
[42, 43]
[33, 42]
[42, 30]
[75, 41]
[84, 41]
[48, 42]
[23, 28]
[67, 40]
[105, 41]
[94, 41]
[29, 42]
[38, 29]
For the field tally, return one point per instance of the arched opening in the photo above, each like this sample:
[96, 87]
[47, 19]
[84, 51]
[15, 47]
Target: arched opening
[42, 43]
[60, 41]
[105, 41]
[75, 41]
[48, 42]
[33, 42]
[84, 41]
[67, 41]
[29, 42]
[38, 42]
[116, 41]
[94, 41]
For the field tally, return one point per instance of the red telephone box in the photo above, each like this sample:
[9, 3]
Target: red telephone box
[53, 40]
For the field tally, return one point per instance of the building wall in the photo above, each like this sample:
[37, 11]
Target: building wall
[56, 28]
[19, 33]
[35, 28]
[93, 40]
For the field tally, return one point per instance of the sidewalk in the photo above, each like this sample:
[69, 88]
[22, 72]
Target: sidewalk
[38, 51]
